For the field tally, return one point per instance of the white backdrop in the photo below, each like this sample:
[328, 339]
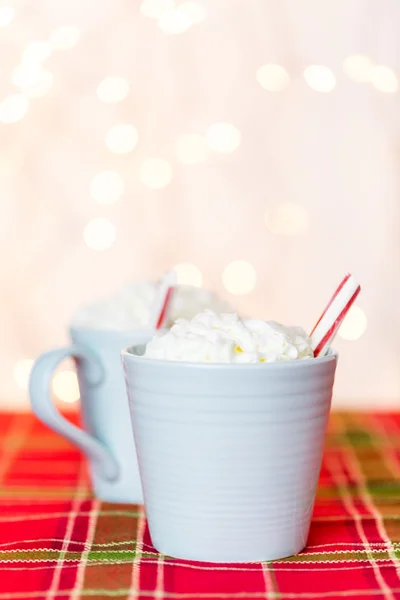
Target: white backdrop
[302, 184]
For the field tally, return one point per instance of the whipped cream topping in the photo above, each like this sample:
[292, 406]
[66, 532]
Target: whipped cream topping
[226, 338]
[130, 307]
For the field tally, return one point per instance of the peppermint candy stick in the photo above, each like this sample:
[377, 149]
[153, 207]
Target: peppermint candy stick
[162, 301]
[331, 319]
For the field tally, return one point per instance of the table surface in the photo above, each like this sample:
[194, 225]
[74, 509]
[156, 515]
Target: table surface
[58, 542]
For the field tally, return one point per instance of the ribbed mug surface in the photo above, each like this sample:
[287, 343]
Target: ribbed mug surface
[229, 455]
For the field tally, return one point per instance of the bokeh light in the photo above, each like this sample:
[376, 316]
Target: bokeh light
[36, 52]
[122, 138]
[320, 78]
[13, 108]
[32, 79]
[22, 370]
[107, 187]
[66, 387]
[191, 148]
[239, 277]
[6, 15]
[354, 324]
[26, 75]
[175, 22]
[113, 89]
[156, 173]
[223, 137]
[156, 9]
[42, 86]
[358, 67]
[273, 78]
[188, 274]
[99, 234]
[384, 79]
[288, 218]
[64, 38]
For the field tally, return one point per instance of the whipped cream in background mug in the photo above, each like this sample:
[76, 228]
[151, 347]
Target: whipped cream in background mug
[129, 307]
[98, 334]
[226, 338]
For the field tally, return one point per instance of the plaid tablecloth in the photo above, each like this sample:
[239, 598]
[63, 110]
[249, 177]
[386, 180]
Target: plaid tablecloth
[57, 542]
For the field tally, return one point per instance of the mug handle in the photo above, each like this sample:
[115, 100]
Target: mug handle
[45, 410]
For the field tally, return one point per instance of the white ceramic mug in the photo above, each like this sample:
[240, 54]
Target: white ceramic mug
[229, 455]
[107, 438]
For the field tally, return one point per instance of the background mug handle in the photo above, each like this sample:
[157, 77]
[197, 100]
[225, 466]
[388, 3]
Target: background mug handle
[45, 410]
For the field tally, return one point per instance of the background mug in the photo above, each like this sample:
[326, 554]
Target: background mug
[107, 438]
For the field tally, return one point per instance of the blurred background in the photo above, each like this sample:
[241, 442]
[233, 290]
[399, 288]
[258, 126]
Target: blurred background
[254, 146]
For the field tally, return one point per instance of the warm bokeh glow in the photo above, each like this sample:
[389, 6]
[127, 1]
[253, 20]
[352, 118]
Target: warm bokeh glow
[156, 9]
[22, 371]
[13, 108]
[138, 135]
[188, 274]
[99, 234]
[320, 78]
[223, 137]
[175, 22]
[66, 387]
[107, 187]
[32, 79]
[36, 52]
[122, 138]
[113, 89]
[191, 148]
[42, 86]
[239, 277]
[273, 78]
[384, 79]
[288, 218]
[26, 75]
[179, 19]
[354, 324]
[64, 38]
[156, 173]
[6, 15]
[358, 67]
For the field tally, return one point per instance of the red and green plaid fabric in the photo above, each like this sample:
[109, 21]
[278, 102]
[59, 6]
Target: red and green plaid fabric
[58, 542]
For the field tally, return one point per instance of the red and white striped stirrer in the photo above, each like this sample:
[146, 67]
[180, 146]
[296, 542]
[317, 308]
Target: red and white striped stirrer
[331, 319]
[162, 301]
